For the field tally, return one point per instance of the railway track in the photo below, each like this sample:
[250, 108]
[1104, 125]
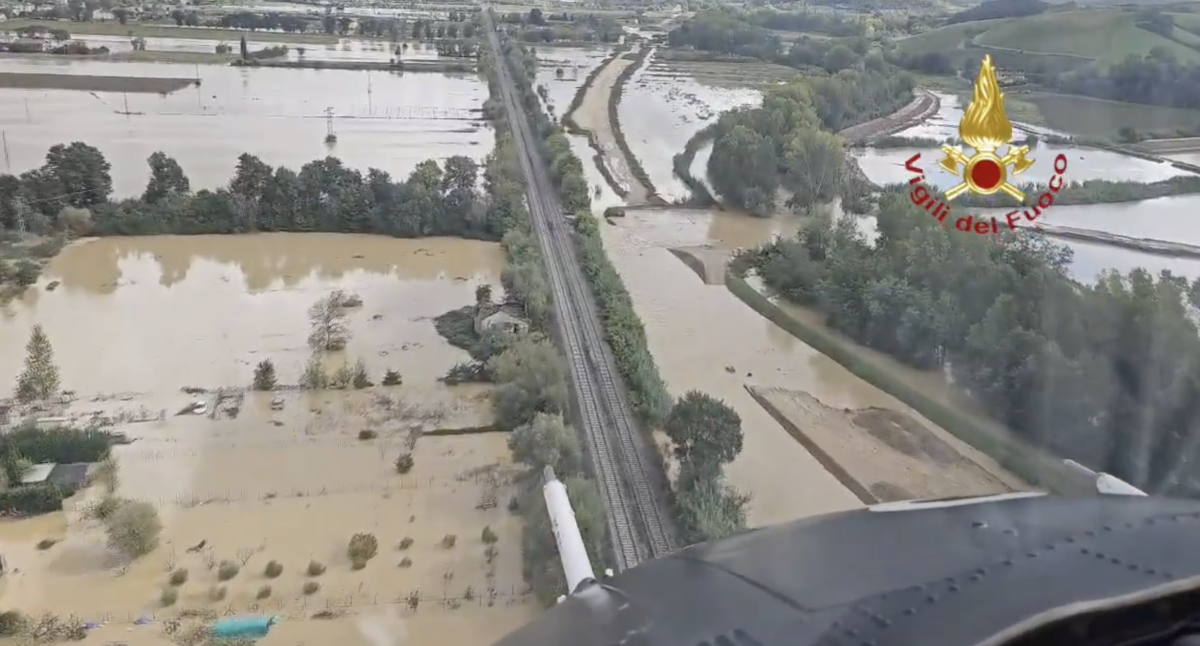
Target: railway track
[638, 522]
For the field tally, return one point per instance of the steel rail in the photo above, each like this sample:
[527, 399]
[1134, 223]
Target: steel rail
[638, 523]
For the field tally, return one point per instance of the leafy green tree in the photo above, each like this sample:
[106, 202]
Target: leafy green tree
[166, 177]
[80, 175]
[264, 375]
[704, 429]
[547, 441]
[39, 380]
[531, 378]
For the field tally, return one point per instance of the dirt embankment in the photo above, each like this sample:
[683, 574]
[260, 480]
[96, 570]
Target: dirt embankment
[592, 116]
[884, 455]
[90, 83]
[924, 105]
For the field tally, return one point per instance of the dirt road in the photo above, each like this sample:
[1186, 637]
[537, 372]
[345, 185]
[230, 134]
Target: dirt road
[923, 105]
[592, 116]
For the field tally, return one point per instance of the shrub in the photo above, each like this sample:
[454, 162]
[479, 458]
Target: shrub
[406, 543]
[404, 463]
[406, 562]
[12, 623]
[489, 536]
[264, 375]
[362, 547]
[103, 508]
[359, 378]
[217, 593]
[47, 543]
[178, 577]
[274, 569]
[311, 587]
[227, 570]
[367, 434]
[32, 499]
[315, 568]
[392, 378]
[263, 592]
[133, 529]
[168, 597]
[449, 540]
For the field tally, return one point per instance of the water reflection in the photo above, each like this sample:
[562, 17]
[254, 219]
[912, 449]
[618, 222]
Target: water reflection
[148, 313]
[277, 114]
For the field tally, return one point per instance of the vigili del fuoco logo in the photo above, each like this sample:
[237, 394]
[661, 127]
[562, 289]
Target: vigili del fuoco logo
[985, 128]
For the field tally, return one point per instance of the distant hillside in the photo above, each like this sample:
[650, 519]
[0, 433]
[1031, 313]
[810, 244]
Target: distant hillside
[1064, 39]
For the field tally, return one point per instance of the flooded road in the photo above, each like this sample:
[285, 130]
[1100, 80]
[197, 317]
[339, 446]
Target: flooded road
[158, 313]
[389, 121]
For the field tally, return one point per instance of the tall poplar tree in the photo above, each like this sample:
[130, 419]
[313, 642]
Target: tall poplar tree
[39, 380]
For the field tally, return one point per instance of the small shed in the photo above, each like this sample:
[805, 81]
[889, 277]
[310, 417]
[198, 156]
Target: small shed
[67, 476]
[38, 473]
[71, 476]
[504, 317]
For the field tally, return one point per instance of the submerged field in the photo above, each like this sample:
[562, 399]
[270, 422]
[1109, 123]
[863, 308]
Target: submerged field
[255, 485]
[662, 109]
[388, 121]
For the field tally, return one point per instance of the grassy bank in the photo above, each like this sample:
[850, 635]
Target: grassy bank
[681, 164]
[148, 30]
[614, 100]
[986, 435]
[1093, 191]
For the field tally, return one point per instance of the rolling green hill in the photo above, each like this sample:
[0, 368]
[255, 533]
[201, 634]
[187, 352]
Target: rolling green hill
[1105, 36]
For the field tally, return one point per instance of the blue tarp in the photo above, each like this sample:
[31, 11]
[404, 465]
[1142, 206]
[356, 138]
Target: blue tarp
[243, 627]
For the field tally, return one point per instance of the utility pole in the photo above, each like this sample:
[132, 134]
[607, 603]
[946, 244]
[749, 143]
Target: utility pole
[370, 107]
[7, 160]
[330, 135]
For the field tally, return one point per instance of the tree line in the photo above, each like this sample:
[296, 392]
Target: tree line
[1107, 373]
[788, 142]
[72, 193]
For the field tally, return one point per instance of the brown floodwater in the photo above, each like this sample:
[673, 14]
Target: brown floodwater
[145, 316]
[154, 314]
[704, 338]
[388, 121]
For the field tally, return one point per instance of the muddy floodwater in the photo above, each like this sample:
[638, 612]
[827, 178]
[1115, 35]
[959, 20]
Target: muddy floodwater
[159, 313]
[287, 481]
[388, 121]
[704, 338]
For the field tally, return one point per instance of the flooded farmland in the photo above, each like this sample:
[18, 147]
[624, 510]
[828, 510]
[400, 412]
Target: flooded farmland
[346, 49]
[202, 310]
[660, 111]
[388, 121]
[576, 65]
[258, 483]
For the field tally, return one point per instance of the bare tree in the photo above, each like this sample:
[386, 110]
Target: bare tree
[327, 318]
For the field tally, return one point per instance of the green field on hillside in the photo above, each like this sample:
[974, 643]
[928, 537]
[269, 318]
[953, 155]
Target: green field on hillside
[1081, 115]
[1103, 35]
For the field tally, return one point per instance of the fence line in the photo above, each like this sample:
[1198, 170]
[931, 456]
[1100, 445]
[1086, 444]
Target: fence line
[413, 602]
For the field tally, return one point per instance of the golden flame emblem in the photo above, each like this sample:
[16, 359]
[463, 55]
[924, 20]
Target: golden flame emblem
[985, 127]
